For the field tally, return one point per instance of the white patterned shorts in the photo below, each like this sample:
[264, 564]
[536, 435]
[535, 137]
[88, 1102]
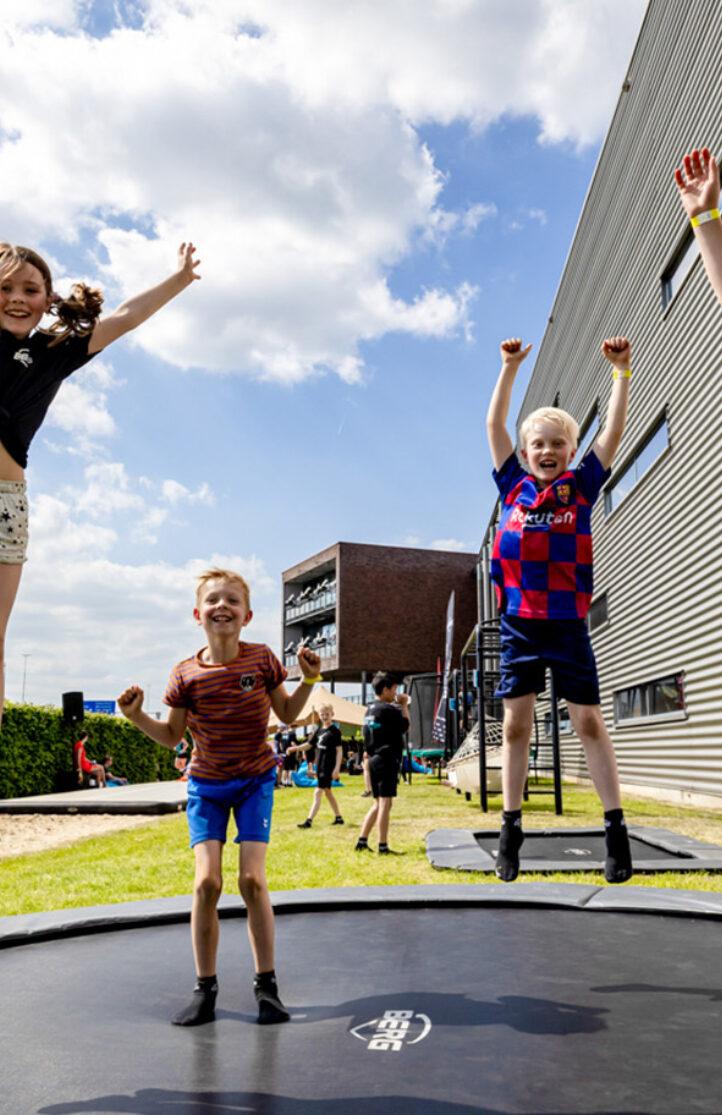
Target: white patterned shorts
[13, 522]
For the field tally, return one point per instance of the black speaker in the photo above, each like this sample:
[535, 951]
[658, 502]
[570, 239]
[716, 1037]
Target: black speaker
[73, 710]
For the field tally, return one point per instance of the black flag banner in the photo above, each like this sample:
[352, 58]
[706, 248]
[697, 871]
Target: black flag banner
[438, 733]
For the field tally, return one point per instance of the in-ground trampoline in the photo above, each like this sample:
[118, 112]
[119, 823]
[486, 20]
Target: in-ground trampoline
[532, 998]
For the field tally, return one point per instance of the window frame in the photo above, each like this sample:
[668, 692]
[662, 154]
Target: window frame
[679, 678]
[686, 241]
[631, 459]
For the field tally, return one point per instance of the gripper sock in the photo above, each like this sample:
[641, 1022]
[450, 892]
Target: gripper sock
[618, 864]
[202, 1007]
[270, 1007]
[511, 839]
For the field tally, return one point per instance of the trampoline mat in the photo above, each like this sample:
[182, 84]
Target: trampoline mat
[576, 847]
[504, 1010]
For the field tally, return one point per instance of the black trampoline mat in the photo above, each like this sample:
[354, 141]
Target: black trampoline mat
[575, 848]
[572, 849]
[508, 1010]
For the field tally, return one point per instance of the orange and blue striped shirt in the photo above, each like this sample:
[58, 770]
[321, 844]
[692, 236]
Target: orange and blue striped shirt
[228, 708]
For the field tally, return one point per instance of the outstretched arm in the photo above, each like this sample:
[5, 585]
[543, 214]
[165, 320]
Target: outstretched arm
[699, 188]
[500, 442]
[129, 315]
[618, 352]
[165, 732]
[288, 706]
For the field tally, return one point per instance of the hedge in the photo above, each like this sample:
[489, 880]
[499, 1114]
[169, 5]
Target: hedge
[36, 751]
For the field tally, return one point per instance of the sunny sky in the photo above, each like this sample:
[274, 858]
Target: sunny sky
[380, 191]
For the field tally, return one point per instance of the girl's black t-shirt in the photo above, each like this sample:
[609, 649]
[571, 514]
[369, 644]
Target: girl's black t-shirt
[30, 374]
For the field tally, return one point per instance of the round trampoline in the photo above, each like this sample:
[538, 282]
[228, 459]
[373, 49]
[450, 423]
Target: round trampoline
[536, 998]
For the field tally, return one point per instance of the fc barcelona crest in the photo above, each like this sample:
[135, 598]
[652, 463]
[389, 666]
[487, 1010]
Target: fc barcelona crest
[247, 682]
[564, 493]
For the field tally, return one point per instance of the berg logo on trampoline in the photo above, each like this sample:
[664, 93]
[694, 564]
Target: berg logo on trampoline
[393, 1031]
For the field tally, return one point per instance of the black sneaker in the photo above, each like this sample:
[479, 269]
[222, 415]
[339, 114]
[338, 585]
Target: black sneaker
[362, 846]
[339, 821]
[384, 850]
[305, 824]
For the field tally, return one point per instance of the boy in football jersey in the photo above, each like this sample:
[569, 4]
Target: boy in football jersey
[223, 695]
[542, 569]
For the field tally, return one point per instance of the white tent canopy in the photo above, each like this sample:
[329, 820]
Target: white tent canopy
[344, 712]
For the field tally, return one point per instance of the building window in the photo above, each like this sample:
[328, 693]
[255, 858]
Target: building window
[663, 697]
[598, 613]
[565, 723]
[588, 435]
[679, 267]
[643, 459]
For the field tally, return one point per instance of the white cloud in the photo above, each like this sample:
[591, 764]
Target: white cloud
[80, 408]
[173, 492]
[81, 635]
[449, 544]
[291, 155]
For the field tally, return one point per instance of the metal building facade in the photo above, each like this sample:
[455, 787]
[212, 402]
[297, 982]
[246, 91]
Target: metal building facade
[658, 553]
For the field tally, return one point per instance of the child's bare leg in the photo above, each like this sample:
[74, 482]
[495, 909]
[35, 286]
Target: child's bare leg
[261, 929]
[317, 798]
[204, 916]
[254, 892]
[369, 820]
[588, 723]
[331, 799]
[384, 811]
[518, 722]
[9, 581]
[204, 933]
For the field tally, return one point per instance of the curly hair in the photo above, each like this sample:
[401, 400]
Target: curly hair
[77, 315]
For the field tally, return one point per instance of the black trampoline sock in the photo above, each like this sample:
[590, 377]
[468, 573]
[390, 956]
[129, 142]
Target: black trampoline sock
[202, 1007]
[270, 1007]
[618, 864]
[511, 839]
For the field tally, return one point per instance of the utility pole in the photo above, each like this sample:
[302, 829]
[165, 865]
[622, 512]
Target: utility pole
[25, 674]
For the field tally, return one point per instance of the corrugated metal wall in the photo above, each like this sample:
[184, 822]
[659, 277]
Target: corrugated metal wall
[658, 556]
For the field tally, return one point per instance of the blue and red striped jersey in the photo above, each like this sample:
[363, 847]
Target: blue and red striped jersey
[541, 562]
[228, 707]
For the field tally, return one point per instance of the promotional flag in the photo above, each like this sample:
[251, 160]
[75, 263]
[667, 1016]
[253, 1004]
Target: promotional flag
[438, 733]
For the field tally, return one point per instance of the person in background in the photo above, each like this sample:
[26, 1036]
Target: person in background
[84, 766]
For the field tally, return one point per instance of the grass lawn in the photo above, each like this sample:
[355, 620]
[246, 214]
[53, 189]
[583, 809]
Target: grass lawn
[154, 860]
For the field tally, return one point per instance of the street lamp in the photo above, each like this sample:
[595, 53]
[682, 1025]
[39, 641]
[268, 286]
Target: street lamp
[25, 675]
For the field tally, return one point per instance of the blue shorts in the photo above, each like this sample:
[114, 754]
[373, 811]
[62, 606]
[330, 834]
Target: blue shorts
[210, 804]
[529, 646]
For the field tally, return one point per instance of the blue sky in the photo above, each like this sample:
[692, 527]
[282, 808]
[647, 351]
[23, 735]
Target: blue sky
[378, 200]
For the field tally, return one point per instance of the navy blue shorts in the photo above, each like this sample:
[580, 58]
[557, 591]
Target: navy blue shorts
[210, 805]
[530, 646]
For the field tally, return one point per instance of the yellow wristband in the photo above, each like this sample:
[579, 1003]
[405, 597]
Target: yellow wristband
[617, 374]
[312, 681]
[704, 218]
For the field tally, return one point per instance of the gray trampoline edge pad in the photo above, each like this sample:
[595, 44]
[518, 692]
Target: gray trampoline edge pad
[30, 928]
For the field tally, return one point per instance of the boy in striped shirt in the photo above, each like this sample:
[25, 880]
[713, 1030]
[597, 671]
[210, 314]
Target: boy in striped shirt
[223, 695]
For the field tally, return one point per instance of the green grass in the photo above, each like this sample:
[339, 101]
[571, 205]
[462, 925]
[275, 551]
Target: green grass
[154, 860]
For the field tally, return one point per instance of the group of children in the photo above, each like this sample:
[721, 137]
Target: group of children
[542, 567]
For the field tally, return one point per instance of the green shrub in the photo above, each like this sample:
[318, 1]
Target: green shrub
[36, 751]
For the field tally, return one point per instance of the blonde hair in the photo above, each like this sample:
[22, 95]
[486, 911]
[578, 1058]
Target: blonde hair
[559, 417]
[325, 708]
[77, 315]
[222, 575]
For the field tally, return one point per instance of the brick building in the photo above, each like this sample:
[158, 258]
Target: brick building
[365, 608]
